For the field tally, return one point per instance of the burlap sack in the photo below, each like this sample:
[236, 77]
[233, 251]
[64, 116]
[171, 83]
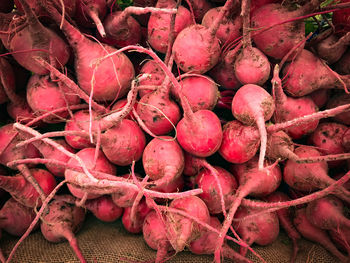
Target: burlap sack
[110, 242]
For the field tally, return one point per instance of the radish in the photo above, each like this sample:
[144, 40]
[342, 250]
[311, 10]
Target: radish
[112, 77]
[15, 218]
[154, 233]
[158, 28]
[340, 19]
[315, 234]
[240, 142]
[251, 65]
[254, 105]
[262, 230]
[205, 244]
[90, 13]
[33, 38]
[342, 66]
[302, 80]
[104, 209]
[163, 160]
[199, 8]
[346, 140]
[43, 95]
[327, 213]
[7, 80]
[337, 100]
[156, 76]
[125, 197]
[134, 223]
[320, 97]
[181, 231]
[276, 42]
[69, 7]
[23, 191]
[280, 147]
[341, 238]
[61, 221]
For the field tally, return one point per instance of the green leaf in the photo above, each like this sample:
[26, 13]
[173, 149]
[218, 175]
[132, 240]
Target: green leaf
[124, 3]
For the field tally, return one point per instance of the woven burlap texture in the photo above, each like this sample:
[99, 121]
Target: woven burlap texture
[110, 242]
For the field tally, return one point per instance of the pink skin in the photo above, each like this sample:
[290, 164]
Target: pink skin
[33, 37]
[154, 233]
[262, 230]
[211, 194]
[251, 65]
[337, 100]
[193, 131]
[174, 186]
[23, 191]
[15, 218]
[310, 177]
[201, 92]
[341, 19]
[87, 155]
[69, 6]
[61, 221]
[21, 113]
[192, 165]
[134, 225]
[289, 108]
[259, 3]
[277, 41]
[320, 97]
[112, 77]
[125, 197]
[341, 238]
[240, 143]
[45, 95]
[128, 33]
[49, 152]
[346, 140]
[252, 105]
[181, 231]
[119, 104]
[328, 138]
[104, 209]
[327, 213]
[158, 27]
[206, 243]
[230, 27]
[280, 147]
[80, 122]
[163, 160]
[124, 143]
[315, 234]
[199, 8]
[302, 80]
[343, 64]
[155, 79]
[285, 219]
[90, 13]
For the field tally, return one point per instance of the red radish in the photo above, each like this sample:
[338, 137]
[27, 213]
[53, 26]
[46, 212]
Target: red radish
[337, 100]
[119, 104]
[251, 65]
[308, 177]
[134, 225]
[172, 187]
[45, 95]
[90, 13]
[262, 230]
[251, 181]
[280, 147]
[211, 194]
[123, 143]
[252, 105]
[289, 108]
[23, 191]
[327, 213]
[302, 80]
[15, 218]
[158, 27]
[154, 233]
[259, 3]
[112, 77]
[346, 140]
[285, 219]
[125, 197]
[37, 41]
[104, 209]
[230, 27]
[163, 160]
[49, 152]
[181, 231]
[61, 221]
[199, 8]
[315, 234]
[328, 138]
[7, 80]
[69, 7]
[201, 92]
[320, 97]
[343, 65]
[341, 238]
[332, 48]
[101, 164]
[341, 20]
[202, 43]
[156, 76]
[206, 243]
[278, 40]
[240, 142]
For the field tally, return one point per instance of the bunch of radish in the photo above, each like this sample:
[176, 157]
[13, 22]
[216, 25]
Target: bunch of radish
[198, 123]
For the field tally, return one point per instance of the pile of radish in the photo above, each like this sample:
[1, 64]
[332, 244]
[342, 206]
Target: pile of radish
[199, 124]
